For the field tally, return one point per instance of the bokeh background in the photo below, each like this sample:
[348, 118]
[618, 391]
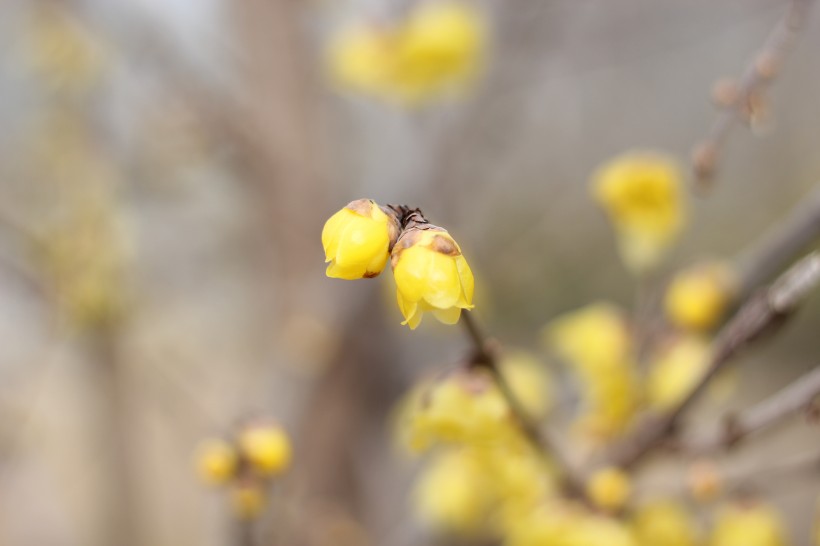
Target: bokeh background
[166, 167]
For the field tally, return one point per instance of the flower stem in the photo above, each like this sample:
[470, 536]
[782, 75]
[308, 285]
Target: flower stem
[485, 356]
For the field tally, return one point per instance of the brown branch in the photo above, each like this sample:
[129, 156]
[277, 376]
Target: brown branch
[780, 244]
[485, 356]
[741, 101]
[796, 397]
[763, 313]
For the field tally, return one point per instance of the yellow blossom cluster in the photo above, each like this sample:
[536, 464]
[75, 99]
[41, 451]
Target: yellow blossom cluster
[595, 342]
[431, 273]
[437, 48]
[259, 452]
[675, 369]
[482, 475]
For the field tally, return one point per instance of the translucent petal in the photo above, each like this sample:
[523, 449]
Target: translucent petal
[447, 316]
[414, 320]
[407, 308]
[443, 287]
[467, 280]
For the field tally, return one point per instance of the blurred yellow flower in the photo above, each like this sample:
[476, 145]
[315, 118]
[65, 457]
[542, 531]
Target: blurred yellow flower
[437, 49]
[595, 342]
[431, 275]
[357, 240]
[440, 48]
[216, 461]
[748, 523]
[664, 523]
[61, 51]
[565, 525]
[454, 492]
[360, 58]
[480, 489]
[641, 193]
[697, 297]
[267, 448]
[529, 380]
[609, 488]
[675, 371]
[587, 337]
[248, 499]
[463, 408]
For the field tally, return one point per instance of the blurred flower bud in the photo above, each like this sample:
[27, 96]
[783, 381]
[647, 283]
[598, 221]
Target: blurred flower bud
[675, 370]
[704, 480]
[748, 523]
[266, 447]
[609, 488]
[591, 335]
[640, 192]
[704, 161]
[358, 239]
[216, 461]
[697, 297]
[247, 499]
[664, 523]
[431, 275]
[767, 65]
[440, 48]
[529, 381]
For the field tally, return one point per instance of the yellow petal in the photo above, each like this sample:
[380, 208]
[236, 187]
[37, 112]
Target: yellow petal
[448, 316]
[410, 272]
[332, 231]
[443, 284]
[360, 241]
[350, 273]
[467, 280]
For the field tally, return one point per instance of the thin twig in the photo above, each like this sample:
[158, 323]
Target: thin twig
[796, 397]
[763, 313]
[757, 75]
[780, 244]
[485, 356]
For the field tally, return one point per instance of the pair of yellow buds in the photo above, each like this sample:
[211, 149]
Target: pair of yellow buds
[430, 271]
[259, 452]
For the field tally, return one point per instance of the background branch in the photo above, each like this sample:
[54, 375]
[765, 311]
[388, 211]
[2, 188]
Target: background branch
[763, 313]
[742, 101]
[794, 398]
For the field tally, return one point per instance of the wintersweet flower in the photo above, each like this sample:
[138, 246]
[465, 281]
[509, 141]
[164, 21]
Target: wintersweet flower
[439, 49]
[641, 194]
[748, 523]
[216, 461]
[266, 447]
[436, 49]
[431, 275]
[358, 240]
[664, 523]
[697, 297]
[675, 370]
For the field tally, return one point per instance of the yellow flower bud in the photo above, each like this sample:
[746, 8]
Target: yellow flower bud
[431, 275]
[216, 461]
[248, 499]
[266, 447]
[360, 57]
[664, 523]
[641, 194]
[609, 488]
[675, 370]
[358, 239]
[697, 298]
[748, 523]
